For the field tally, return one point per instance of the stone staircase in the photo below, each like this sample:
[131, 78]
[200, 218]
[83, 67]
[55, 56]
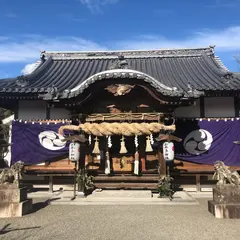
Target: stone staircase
[126, 181]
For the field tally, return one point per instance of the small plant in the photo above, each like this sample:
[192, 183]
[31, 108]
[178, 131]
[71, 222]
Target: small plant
[165, 187]
[83, 177]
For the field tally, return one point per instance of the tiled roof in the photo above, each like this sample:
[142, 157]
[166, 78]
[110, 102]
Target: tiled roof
[171, 72]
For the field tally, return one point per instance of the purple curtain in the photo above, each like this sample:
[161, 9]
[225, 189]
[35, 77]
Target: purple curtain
[35, 143]
[209, 141]
[203, 142]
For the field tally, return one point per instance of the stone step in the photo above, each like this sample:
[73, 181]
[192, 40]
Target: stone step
[121, 194]
[125, 185]
[126, 178]
[179, 198]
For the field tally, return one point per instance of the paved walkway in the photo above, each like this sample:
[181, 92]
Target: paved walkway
[119, 222]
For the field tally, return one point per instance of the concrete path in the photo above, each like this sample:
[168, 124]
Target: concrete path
[138, 222]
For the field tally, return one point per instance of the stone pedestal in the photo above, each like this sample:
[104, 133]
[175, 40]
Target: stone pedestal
[13, 201]
[226, 202]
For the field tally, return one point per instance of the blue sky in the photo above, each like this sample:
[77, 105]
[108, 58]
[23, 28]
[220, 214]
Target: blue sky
[28, 26]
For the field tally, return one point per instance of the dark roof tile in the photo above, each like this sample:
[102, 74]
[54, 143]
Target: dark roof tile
[183, 69]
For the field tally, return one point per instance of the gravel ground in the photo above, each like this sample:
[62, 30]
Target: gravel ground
[119, 222]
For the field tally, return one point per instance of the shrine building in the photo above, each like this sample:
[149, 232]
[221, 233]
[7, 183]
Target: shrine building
[125, 103]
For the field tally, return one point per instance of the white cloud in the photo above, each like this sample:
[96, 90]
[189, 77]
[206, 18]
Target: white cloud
[27, 50]
[95, 5]
[29, 68]
[225, 40]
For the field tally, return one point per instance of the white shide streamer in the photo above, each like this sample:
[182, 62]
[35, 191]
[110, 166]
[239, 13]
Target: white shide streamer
[136, 160]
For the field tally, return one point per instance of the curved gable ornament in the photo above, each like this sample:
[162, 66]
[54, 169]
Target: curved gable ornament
[119, 89]
[126, 73]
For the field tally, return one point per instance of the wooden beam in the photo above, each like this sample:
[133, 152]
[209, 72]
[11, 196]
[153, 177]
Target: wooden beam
[124, 116]
[202, 107]
[50, 121]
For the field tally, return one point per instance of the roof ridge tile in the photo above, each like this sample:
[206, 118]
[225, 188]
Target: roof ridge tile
[132, 53]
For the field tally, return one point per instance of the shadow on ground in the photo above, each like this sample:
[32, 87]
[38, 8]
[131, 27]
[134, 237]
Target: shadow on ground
[6, 229]
[37, 206]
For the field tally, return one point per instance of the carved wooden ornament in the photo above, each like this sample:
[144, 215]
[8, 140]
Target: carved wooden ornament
[119, 89]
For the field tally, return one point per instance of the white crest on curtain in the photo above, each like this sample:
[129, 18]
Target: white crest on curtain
[198, 142]
[51, 140]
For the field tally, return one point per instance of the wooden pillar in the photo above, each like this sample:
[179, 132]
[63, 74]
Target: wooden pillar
[16, 109]
[143, 162]
[50, 184]
[236, 106]
[74, 181]
[142, 153]
[48, 107]
[202, 107]
[162, 162]
[81, 170]
[198, 183]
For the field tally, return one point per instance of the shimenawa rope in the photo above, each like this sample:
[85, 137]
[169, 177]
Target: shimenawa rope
[124, 129]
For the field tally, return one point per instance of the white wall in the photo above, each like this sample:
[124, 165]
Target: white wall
[219, 107]
[59, 113]
[191, 111]
[213, 107]
[31, 109]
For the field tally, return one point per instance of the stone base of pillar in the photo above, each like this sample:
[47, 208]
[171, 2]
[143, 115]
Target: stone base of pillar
[80, 194]
[230, 211]
[9, 210]
[13, 201]
[226, 202]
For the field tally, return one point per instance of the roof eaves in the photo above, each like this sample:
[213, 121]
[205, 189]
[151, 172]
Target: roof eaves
[36, 65]
[220, 63]
[22, 83]
[41, 67]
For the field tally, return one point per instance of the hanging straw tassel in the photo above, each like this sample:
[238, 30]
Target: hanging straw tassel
[136, 157]
[123, 147]
[96, 149]
[107, 162]
[148, 145]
